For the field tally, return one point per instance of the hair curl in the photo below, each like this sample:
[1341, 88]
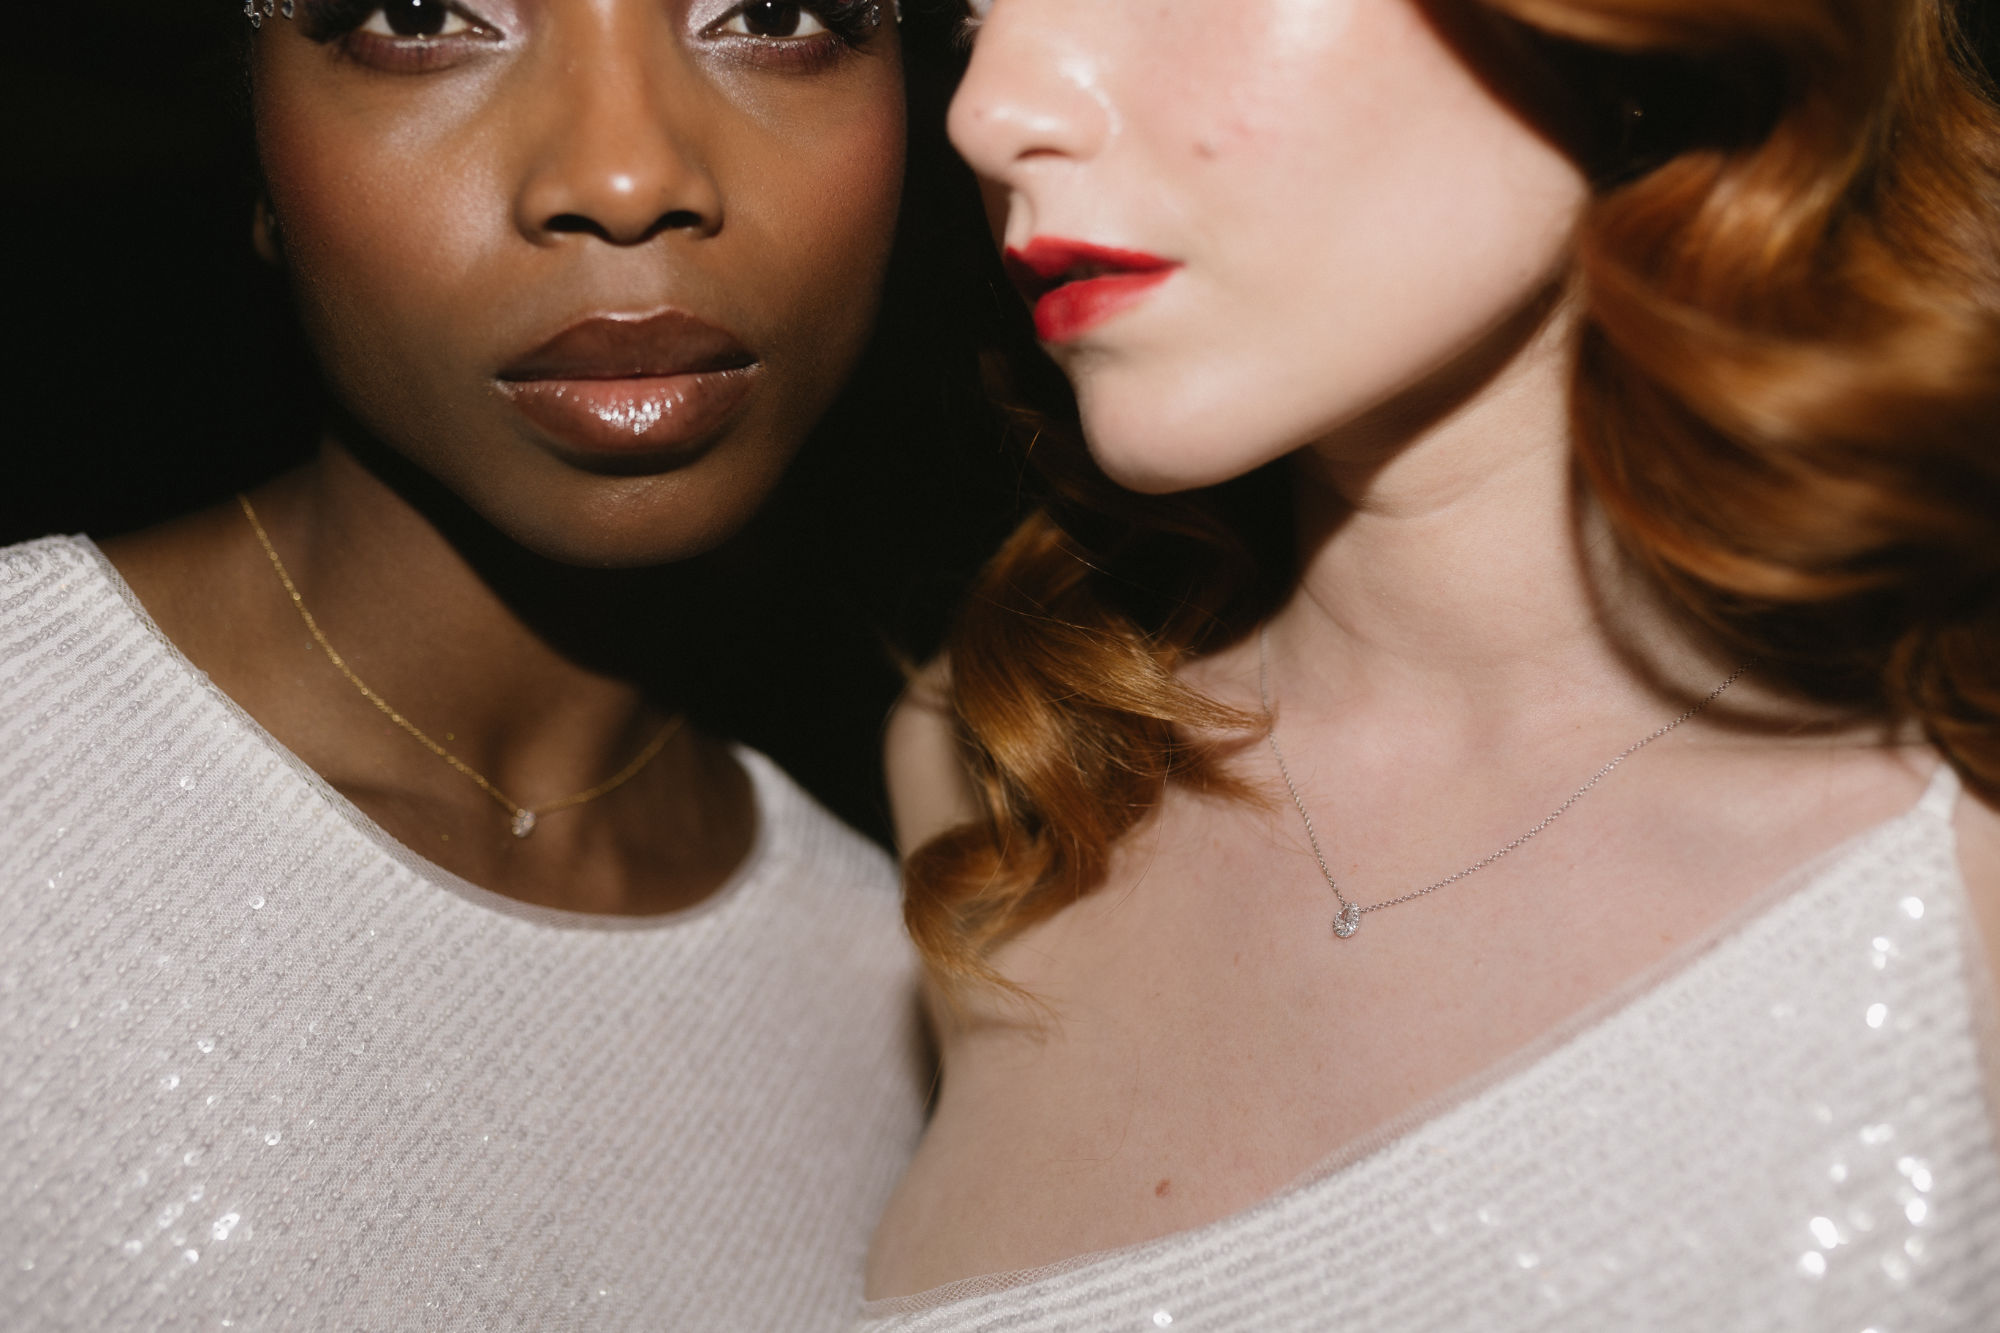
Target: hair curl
[1787, 403]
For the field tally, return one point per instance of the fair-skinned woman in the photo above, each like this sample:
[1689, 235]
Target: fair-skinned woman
[1629, 372]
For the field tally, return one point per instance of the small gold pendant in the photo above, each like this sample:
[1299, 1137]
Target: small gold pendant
[1348, 921]
[524, 823]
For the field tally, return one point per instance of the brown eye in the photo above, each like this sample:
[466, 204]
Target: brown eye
[772, 18]
[416, 18]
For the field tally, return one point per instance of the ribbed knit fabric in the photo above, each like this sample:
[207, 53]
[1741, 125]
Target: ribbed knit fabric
[266, 1069]
[1786, 1132]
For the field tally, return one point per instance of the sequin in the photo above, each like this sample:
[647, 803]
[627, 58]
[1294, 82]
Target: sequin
[1734, 1097]
[1787, 1129]
[368, 1114]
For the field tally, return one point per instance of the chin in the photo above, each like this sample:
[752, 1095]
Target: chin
[1142, 470]
[626, 522]
[1154, 445]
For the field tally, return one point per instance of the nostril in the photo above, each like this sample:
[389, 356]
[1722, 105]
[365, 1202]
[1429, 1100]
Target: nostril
[680, 219]
[568, 223]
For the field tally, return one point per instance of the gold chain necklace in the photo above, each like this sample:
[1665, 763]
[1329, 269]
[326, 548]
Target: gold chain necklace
[525, 819]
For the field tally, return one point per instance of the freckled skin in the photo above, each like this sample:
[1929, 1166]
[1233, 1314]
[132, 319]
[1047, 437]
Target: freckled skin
[1282, 159]
[1373, 232]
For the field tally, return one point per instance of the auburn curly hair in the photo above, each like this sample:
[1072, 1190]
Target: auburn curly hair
[1787, 403]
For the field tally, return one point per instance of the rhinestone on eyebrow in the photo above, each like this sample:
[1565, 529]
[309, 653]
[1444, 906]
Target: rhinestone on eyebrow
[259, 10]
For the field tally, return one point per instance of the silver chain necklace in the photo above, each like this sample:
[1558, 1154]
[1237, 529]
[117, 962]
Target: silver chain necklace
[1348, 919]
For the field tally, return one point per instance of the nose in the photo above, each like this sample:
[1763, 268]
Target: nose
[1032, 95]
[615, 157]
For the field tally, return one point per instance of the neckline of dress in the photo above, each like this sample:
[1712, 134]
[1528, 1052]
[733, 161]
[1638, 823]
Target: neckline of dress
[1937, 803]
[766, 786]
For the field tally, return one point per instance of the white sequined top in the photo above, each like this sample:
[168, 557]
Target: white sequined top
[1784, 1131]
[262, 1068]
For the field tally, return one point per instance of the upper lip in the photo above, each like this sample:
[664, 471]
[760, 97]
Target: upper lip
[1046, 263]
[614, 347]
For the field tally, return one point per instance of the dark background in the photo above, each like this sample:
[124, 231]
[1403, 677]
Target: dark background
[154, 369]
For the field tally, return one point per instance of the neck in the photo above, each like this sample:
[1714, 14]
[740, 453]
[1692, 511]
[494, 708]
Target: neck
[545, 680]
[1444, 553]
[445, 626]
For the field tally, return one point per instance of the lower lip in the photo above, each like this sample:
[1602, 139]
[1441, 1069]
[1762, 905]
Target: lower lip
[628, 418]
[1074, 309]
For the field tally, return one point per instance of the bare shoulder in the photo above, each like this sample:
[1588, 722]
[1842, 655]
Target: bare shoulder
[183, 569]
[929, 790]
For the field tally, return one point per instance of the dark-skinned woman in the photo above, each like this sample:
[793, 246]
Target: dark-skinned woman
[378, 950]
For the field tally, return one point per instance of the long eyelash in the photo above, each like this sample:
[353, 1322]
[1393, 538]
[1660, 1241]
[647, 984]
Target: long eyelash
[853, 21]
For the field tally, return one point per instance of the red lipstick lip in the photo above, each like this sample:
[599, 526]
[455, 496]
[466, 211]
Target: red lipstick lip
[632, 391]
[1076, 286]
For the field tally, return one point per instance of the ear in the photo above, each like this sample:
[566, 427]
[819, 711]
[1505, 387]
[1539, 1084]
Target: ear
[264, 235]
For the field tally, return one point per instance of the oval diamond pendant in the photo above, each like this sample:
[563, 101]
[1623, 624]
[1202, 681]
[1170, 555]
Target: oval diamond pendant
[1348, 921]
[524, 823]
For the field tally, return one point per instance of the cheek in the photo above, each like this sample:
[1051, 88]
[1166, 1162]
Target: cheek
[383, 236]
[1356, 220]
[825, 216]
[1389, 186]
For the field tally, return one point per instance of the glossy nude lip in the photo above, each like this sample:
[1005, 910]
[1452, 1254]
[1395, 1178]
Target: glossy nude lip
[632, 388]
[1076, 286]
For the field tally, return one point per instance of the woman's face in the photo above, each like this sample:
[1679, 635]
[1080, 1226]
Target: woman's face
[1265, 217]
[597, 265]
